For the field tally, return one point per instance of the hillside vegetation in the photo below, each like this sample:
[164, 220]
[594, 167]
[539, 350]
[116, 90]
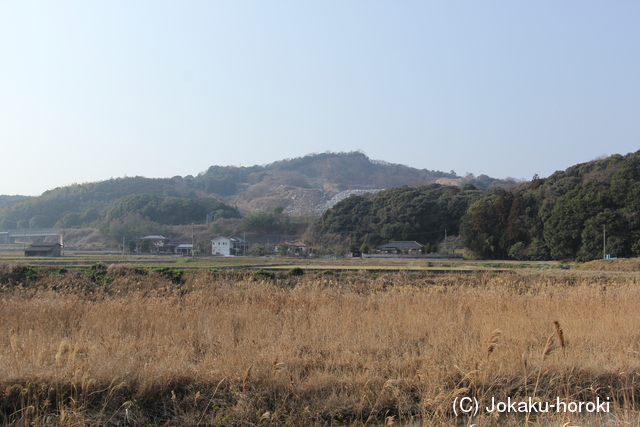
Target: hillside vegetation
[300, 186]
[564, 216]
[405, 213]
[85, 203]
[570, 215]
[7, 199]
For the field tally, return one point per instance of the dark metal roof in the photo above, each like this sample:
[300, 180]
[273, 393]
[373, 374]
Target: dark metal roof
[401, 245]
[44, 245]
[38, 247]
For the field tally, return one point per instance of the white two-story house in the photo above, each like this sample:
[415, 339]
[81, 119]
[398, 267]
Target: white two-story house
[228, 246]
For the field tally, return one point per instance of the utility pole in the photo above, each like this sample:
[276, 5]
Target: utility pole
[192, 244]
[604, 241]
[446, 249]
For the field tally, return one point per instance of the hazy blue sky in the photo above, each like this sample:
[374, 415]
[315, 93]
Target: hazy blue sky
[97, 89]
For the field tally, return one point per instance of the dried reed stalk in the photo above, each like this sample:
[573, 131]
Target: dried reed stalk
[493, 341]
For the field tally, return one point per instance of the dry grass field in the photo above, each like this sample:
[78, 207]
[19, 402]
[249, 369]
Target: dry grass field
[124, 345]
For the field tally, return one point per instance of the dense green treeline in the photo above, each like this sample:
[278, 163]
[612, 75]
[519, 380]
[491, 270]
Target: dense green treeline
[405, 213]
[564, 216]
[169, 210]
[146, 213]
[164, 201]
[76, 205]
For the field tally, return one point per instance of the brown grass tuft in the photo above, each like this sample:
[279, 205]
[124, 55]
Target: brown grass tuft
[559, 333]
[493, 341]
[245, 378]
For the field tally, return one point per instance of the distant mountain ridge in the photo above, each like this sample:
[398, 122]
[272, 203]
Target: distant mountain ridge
[306, 185]
[301, 185]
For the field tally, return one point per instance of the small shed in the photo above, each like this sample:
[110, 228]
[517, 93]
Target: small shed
[184, 249]
[44, 249]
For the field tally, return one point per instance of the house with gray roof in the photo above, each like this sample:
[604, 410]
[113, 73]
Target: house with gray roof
[401, 247]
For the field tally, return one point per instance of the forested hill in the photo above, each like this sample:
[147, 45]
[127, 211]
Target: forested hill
[83, 204]
[405, 213]
[298, 185]
[564, 216]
